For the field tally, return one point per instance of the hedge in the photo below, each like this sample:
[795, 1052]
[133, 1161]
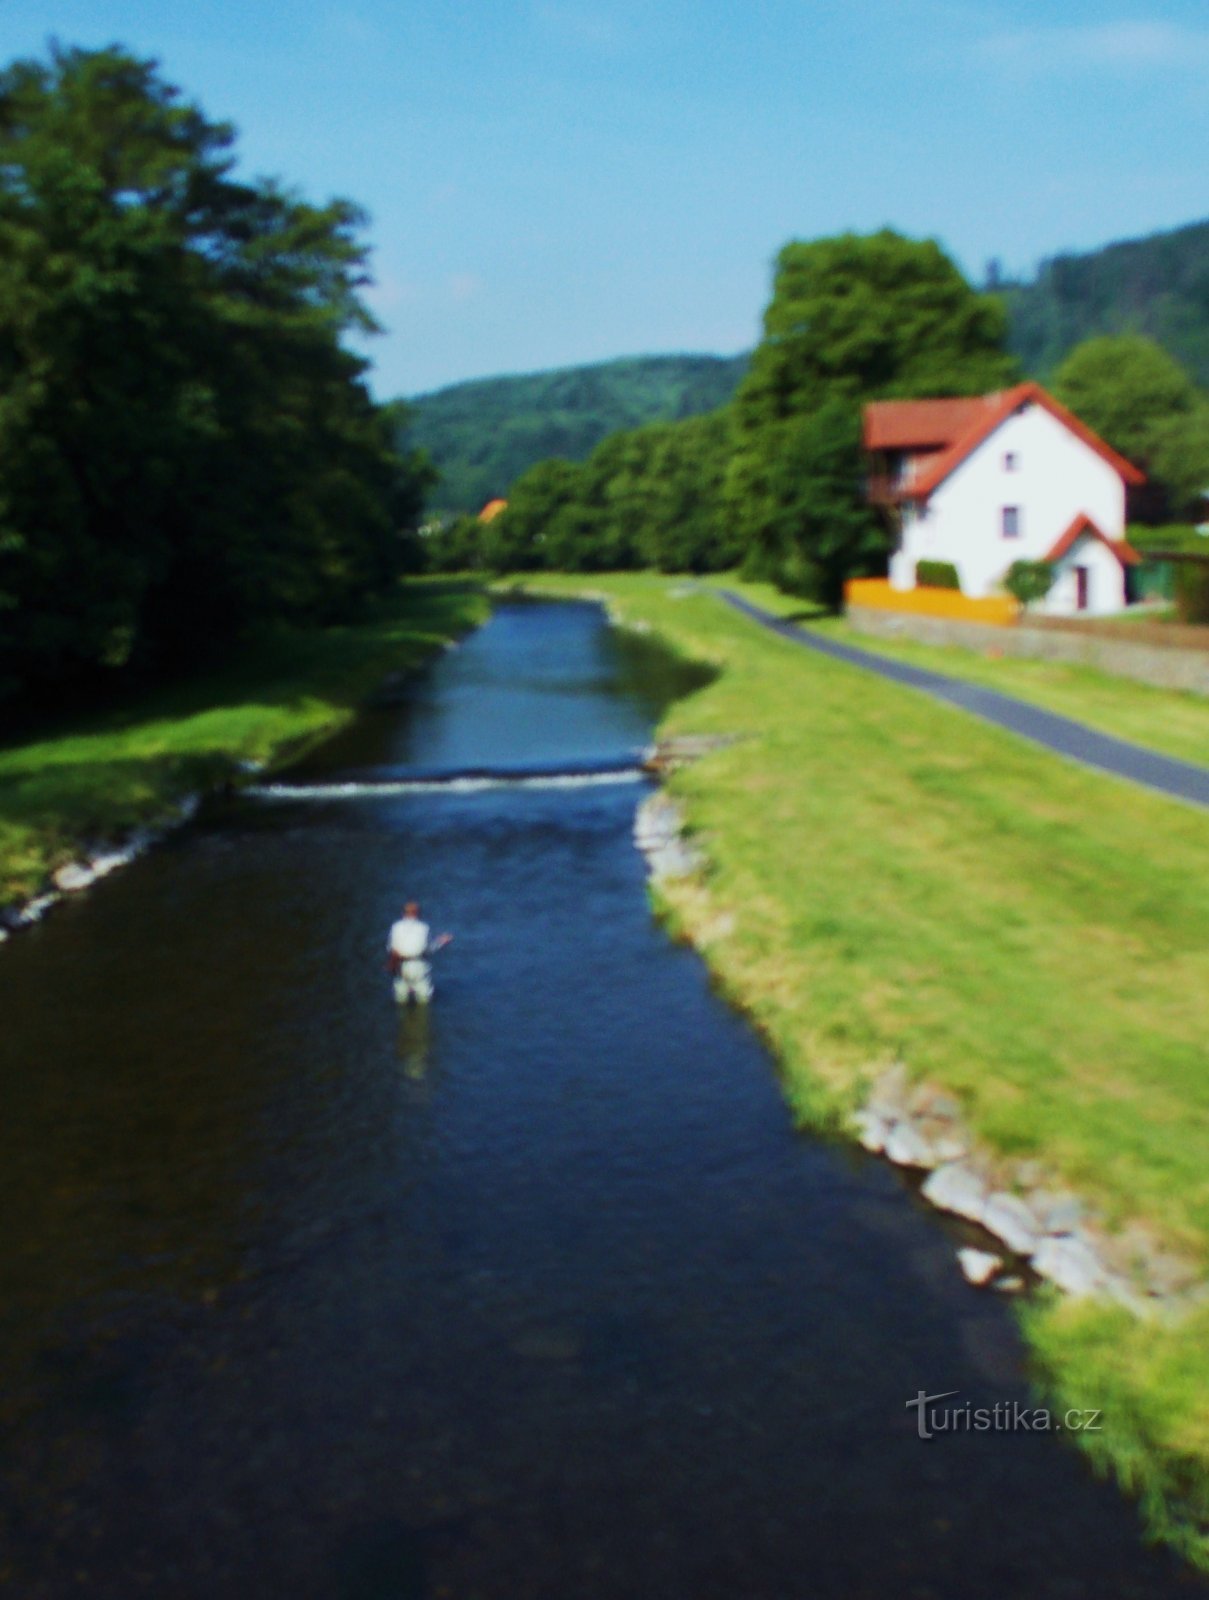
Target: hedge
[937, 575]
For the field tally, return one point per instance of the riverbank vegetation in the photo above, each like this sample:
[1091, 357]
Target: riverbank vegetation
[93, 778]
[892, 879]
[190, 451]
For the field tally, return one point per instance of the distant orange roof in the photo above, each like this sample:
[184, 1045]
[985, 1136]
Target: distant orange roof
[492, 510]
[955, 428]
[1121, 548]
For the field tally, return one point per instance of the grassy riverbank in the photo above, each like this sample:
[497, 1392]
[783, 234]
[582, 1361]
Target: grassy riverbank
[106, 774]
[891, 878]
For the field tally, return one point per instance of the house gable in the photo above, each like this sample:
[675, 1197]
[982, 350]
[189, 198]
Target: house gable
[1082, 527]
[939, 435]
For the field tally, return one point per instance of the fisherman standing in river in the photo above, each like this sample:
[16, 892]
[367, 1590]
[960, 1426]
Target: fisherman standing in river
[408, 949]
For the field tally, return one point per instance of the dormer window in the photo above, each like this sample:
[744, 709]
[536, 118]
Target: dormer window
[1010, 461]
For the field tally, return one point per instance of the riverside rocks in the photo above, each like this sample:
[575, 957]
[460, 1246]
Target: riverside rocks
[1010, 1219]
[958, 1189]
[1050, 1231]
[658, 828]
[979, 1266]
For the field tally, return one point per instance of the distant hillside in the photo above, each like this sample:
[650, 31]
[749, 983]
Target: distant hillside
[483, 434]
[1157, 285]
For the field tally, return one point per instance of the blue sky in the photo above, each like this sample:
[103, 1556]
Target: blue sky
[558, 181]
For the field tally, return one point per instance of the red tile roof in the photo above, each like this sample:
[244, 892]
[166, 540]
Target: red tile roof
[1121, 548]
[958, 427]
[920, 424]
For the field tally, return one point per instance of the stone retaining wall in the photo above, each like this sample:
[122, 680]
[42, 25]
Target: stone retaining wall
[1162, 666]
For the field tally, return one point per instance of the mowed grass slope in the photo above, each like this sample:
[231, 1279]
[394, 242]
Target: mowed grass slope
[94, 779]
[907, 881]
[1173, 722]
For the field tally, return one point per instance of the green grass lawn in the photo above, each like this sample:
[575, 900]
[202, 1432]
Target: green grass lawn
[93, 780]
[908, 882]
[1173, 722]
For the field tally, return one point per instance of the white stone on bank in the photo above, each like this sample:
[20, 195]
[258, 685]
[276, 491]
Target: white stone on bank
[1071, 1265]
[1009, 1219]
[979, 1266]
[73, 877]
[958, 1189]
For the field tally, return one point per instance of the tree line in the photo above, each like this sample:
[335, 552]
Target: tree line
[774, 481]
[188, 449]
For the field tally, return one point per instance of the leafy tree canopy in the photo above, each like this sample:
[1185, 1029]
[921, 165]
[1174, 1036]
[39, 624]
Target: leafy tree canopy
[1139, 399]
[187, 445]
[859, 317]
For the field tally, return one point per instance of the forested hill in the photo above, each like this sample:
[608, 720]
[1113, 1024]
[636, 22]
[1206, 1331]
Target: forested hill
[1158, 286]
[484, 434]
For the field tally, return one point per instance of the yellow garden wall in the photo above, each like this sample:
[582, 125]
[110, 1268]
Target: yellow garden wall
[999, 611]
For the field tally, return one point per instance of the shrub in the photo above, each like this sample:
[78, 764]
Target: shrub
[937, 575]
[1192, 590]
[1028, 581]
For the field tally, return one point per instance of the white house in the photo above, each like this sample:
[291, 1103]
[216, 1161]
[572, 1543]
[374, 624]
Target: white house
[1003, 477]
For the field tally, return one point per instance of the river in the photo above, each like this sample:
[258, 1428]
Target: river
[539, 1295]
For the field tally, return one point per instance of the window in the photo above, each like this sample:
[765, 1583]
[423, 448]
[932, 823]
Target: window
[1010, 461]
[1011, 522]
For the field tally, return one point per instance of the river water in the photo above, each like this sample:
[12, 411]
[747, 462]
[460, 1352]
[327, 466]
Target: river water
[538, 1296]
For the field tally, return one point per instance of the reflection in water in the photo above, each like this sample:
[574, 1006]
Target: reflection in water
[413, 1040]
[534, 1293]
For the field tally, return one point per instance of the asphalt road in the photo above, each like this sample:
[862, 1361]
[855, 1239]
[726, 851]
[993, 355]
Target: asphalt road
[1181, 780]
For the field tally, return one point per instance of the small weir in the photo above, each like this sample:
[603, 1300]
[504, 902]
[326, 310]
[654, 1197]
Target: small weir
[534, 1292]
[476, 781]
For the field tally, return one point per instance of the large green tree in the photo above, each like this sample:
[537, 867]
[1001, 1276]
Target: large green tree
[852, 318]
[1145, 405]
[187, 446]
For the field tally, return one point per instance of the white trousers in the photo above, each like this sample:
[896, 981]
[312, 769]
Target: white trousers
[414, 982]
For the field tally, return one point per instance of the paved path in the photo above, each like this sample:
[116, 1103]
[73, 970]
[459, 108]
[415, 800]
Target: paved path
[1180, 779]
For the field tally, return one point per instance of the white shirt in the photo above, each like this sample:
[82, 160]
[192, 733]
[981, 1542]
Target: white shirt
[409, 938]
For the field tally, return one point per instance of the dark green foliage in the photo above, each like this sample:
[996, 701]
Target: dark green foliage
[1179, 536]
[187, 447]
[937, 575]
[815, 527]
[1192, 590]
[483, 435]
[851, 319]
[1029, 581]
[1157, 286]
[453, 545]
[1145, 405]
[863, 317]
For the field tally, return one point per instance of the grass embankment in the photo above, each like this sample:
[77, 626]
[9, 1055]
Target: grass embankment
[106, 774]
[891, 878]
[1173, 722]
